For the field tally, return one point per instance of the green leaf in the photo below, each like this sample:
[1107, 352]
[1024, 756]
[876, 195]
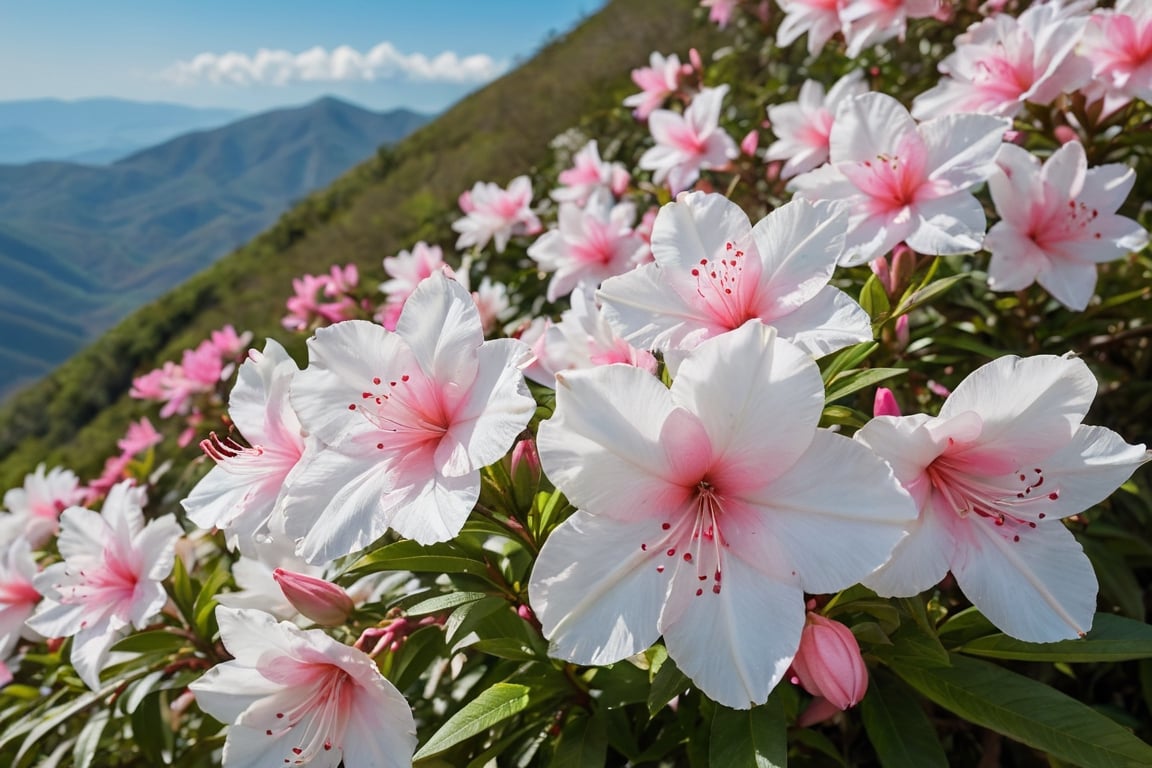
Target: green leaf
[1112, 638]
[900, 732]
[849, 357]
[752, 737]
[925, 294]
[1029, 712]
[84, 750]
[583, 744]
[874, 299]
[912, 645]
[152, 641]
[668, 682]
[854, 381]
[444, 602]
[410, 556]
[495, 705]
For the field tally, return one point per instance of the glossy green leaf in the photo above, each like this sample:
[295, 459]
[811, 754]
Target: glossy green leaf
[755, 737]
[900, 732]
[410, 556]
[495, 705]
[667, 683]
[853, 381]
[1112, 638]
[1027, 711]
[582, 744]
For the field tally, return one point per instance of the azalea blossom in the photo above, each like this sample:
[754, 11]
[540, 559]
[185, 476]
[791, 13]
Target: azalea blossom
[688, 142]
[298, 697]
[589, 244]
[496, 214]
[706, 510]
[866, 23]
[714, 271]
[18, 594]
[720, 11]
[110, 577]
[659, 80]
[828, 663]
[588, 175]
[905, 181]
[406, 421]
[1003, 61]
[34, 509]
[803, 127]
[405, 271]
[246, 488]
[993, 475]
[1118, 43]
[582, 339]
[820, 19]
[1057, 222]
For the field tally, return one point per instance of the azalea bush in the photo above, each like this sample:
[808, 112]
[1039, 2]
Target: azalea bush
[791, 416]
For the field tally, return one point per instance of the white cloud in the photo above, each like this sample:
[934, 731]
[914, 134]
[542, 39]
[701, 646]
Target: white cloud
[342, 64]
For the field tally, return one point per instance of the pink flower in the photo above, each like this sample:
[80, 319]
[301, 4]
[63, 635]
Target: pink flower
[588, 175]
[993, 475]
[582, 339]
[714, 272]
[706, 510]
[688, 142]
[406, 420]
[829, 663]
[803, 127]
[1118, 43]
[589, 244]
[884, 404]
[245, 490]
[307, 310]
[36, 506]
[866, 23]
[819, 18]
[296, 697]
[1057, 222]
[657, 82]
[141, 436]
[903, 181]
[720, 11]
[321, 601]
[1003, 61]
[110, 577]
[497, 214]
[18, 596]
[405, 270]
[229, 344]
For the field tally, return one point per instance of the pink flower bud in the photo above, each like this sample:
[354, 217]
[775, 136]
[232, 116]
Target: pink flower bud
[885, 403]
[694, 57]
[1014, 137]
[828, 662]
[1065, 134]
[325, 603]
[5, 674]
[749, 143]
[902, 334]
[883, 274]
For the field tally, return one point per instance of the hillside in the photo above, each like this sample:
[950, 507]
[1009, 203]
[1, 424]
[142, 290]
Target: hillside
[74, 416]
[81, 246]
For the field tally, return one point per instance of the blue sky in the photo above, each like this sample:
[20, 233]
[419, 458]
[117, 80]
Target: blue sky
[164, 50]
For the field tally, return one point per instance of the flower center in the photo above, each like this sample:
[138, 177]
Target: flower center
[1014, 503]
[718, 282]
[694, 540]
[317, 722]
[405, 415]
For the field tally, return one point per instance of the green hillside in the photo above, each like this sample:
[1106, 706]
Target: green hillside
[405, 193]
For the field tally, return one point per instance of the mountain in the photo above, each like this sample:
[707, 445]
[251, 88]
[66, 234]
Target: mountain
[95, 131]
[74, 416]
[81, 246]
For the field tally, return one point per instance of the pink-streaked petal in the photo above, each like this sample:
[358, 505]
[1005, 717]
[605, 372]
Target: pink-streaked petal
[1039, 589]
[921, 559]
[602, 446]
[761, 414]
[1016, 259]
[735, 645]
[802, 506]
[597, 594]
[644, 308]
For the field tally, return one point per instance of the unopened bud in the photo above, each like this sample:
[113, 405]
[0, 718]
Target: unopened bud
[885, 403]
[750, 142]
[1065, 134]
[828, 662]
[525, 472]
[325, 603]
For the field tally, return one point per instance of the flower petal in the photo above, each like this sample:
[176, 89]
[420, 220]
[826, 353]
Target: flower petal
[1086, 471]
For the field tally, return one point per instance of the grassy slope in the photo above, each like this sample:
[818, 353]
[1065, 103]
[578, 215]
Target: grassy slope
[75, 415]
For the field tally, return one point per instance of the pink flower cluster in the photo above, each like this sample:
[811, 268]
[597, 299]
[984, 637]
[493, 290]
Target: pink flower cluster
[323, 299]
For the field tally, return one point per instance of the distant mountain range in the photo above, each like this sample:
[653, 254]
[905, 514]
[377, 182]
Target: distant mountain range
[81, 246]
[95, 131]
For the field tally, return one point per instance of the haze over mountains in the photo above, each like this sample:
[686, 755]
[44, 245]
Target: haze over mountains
[82, 245]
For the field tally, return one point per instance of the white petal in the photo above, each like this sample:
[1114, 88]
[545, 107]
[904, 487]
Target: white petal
[442, 327]
[381, 730]
[799, 244]
[831, 320]
[962, 148]
[948, 225]
[90, 649]
[735, 645]
[646, 310]
[921, 559]
[868, 125]
[760, 414]
[596, 593]
[226, 690]
[836, 538]
[1085, 472]
[1070, 283]
[1040, 589]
